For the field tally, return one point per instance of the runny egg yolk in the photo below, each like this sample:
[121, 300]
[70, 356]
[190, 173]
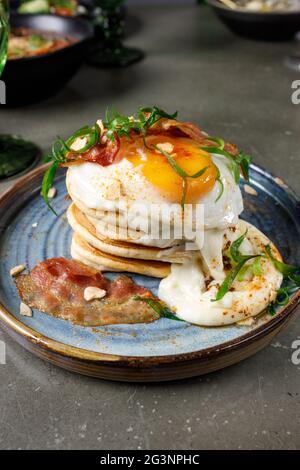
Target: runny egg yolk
[156, 168]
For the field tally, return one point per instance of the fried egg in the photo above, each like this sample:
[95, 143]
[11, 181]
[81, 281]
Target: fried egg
[145, 176]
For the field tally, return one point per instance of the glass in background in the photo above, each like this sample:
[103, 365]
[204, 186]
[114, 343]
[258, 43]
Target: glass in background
[109, 51]
[4, 31]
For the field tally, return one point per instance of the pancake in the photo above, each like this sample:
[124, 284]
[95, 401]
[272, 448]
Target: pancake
[109, 227]
[87, 254]
[82, 225]
[106, 220]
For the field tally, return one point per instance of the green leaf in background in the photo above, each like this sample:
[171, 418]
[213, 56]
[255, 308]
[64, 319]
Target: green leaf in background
[16, 154]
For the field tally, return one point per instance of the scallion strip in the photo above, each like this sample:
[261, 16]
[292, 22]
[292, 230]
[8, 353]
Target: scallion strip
[234, 248]
[219, 179]
[228, 281]
[92, 135]
[283, 268]
[162, 311]
[47, 183]
[180, 171]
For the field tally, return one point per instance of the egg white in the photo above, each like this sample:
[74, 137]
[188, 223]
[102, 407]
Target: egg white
[186, 291]
[105, 188]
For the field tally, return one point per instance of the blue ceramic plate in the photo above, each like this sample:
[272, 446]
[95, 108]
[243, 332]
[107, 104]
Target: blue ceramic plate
[30, 233]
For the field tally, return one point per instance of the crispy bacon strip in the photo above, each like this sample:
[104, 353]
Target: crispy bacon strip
[102, 153]
[56, 287]
[173, 127]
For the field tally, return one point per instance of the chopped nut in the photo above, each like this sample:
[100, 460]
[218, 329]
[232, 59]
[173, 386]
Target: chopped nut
[248, 189]
[25, 310]
[101, 126]
[52, 193]
[17, 270]
[165, 147]
[79, 143]
[279, 181]
[91, 293]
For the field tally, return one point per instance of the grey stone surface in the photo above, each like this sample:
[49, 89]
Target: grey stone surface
[234, 88]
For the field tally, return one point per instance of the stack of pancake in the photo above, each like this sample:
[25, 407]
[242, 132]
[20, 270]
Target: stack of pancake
[98, 244]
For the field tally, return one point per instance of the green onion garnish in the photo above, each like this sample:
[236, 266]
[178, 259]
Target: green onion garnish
[219, 180]
[47, 183]
[236, 256]
[240, 261]
[92, 135]
[283, 268]
[120, 125]
[283, 295]
[228, 281]
[181, 172]
[116, 123]
[236, 163]
[162, 311]
[291, 278]
[295, 278]
[155, 115]
[59, 154]
[257, 267]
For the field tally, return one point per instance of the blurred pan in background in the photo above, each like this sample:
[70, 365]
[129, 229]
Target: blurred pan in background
[273, 25]
[31, 79]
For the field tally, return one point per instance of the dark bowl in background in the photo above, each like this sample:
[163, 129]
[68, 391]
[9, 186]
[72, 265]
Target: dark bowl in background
[33, 79]
[271, 26]
[14, 4]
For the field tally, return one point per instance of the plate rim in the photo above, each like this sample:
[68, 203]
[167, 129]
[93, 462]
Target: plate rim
[11, 324]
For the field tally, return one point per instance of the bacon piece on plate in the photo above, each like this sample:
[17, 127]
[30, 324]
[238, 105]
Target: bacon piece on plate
[56, 286]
